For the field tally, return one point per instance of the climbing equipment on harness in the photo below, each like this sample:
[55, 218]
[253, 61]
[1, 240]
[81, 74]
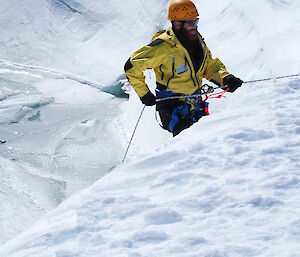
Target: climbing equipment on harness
[190, 107]
[205, 90]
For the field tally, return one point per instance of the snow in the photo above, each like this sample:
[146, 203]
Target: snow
[228, 186]
[46, 125]
[231, 190]
[86, 38]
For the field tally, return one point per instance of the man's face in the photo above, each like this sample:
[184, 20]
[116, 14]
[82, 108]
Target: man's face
[189, 28]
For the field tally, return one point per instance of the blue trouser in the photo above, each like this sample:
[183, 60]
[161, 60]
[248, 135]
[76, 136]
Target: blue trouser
[177, 115]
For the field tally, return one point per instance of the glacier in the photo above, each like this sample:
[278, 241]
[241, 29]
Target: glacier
[228, 186]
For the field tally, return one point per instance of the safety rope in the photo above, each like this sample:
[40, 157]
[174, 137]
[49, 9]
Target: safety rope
[276, 78]
[133, 133]
[207, 90]
[210, 89]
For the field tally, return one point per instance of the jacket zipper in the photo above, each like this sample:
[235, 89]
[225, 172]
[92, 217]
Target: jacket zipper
[162, 74]
[204, 47]
[192, 70]
[204, 60]
[186, 59]
[173, 73]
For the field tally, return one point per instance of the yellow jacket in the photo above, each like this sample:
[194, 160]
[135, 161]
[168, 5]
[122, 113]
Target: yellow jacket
[172, 66]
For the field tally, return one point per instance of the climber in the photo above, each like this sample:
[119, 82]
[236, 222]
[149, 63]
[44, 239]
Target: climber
[180, 59]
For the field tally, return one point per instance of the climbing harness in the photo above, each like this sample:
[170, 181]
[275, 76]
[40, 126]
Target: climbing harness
[191, 108]
[204, 90]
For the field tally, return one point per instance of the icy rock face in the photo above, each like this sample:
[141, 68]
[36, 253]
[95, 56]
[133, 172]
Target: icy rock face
[53, 141]
[42, 30]
[55, 125]
[87, 38]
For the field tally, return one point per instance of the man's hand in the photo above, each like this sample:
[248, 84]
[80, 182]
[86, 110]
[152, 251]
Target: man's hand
[232, 83]
[149, 99]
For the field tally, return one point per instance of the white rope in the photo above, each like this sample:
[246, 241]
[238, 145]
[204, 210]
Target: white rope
[276, 78]
[136, 125]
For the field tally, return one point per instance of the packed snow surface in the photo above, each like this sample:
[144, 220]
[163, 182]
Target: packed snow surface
[228, 186]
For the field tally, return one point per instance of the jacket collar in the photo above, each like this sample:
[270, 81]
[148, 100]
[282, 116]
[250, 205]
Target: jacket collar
[172, 39]
[168, 36]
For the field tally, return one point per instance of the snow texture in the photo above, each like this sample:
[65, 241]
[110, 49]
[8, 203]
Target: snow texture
[228, 186]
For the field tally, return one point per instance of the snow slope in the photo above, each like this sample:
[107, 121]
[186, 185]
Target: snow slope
[229, 186]
[226, 187]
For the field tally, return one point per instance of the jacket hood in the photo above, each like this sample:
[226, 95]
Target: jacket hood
[167, 35]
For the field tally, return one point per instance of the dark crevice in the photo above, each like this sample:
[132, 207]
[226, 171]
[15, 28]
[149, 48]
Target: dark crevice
[67, 5]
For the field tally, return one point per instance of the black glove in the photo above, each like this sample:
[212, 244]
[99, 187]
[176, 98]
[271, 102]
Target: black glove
[232, 82]
[149, 99]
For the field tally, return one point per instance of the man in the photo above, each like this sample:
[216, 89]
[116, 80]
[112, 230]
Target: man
[180, 59]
